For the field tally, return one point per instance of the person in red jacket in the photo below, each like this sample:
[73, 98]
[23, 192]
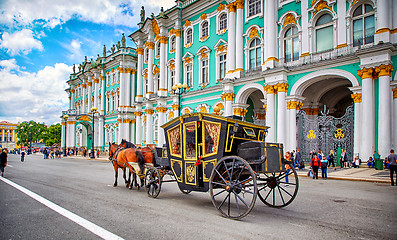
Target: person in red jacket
[315, 164]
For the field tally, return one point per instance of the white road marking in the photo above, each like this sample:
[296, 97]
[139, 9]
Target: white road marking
[8, 165]
[101, 232]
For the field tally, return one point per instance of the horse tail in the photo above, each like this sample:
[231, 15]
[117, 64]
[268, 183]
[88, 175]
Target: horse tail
[141, 161]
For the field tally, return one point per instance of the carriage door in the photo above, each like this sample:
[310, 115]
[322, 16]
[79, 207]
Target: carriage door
[190, 153]
[210, 145]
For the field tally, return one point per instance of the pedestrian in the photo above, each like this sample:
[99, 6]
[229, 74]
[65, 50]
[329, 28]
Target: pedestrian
[376, 155]
[315, 164]
[331, 158]
[287, 167]
[342, 158]
[370, 162]
[97, 153]
[22, 156]
[324, 165]
[298, 158]
[85, 152]
[392, 158]
[3, 162]
[356, 162]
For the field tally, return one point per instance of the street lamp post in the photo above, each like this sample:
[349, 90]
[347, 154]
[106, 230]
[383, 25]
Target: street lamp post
[65, 117]
[179, 89]
[93, 111]
[30, 139]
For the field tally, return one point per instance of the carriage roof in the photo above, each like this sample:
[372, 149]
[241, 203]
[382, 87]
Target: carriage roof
[191, 117]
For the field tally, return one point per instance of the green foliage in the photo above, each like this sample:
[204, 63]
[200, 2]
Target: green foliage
[38, 132]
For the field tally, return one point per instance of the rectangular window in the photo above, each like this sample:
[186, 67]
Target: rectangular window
[369, 23]
[189, 77]
[222, 66]
[254, 7]
[358, 32]
[172, 76]
[204, 71]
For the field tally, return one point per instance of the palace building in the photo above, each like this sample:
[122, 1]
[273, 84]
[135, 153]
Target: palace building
[320, 73]
[8, 135]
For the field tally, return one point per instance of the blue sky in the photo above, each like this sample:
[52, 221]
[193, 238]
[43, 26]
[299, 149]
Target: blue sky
[40, 40]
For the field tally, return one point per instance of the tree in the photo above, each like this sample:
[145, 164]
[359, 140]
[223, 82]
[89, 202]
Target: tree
[38, 132]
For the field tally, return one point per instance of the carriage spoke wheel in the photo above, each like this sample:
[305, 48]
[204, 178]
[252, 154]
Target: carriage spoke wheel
[153, 182]
[279, 188]
[233, 187]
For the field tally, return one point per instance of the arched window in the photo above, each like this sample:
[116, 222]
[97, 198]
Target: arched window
[204, 29]
[324, 33]
[291, 44]
[189, 36]
[173, 43]
[223, 21]
[255, 54]
[363, 25]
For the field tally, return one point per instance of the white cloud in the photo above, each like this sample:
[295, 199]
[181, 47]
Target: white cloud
[20, 42]
[115, 12]
[38, 96]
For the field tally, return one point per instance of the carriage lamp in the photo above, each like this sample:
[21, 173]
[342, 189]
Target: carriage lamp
[64, 149]
[235, 127]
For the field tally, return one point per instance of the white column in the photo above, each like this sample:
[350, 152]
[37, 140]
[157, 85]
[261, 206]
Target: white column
[305, 28]
[84, 98]
[132, 131]
[178, 56]
[150, 44]
[162, 91]
[281, 112]
[383, 21]
[385, 101]
[341, 24]
[231, 36]
[357, 97]
[139, 79]
[161, 120]
[123, 84]
[292, 107]
[89, 96]
[149, 125]
[271, 113]
[368, 117]
[128, 88]
[239, 35]
[138, 136]
[394, 145]
[132, 86]
[73, 95]
[103, 97]
[96, 92]
[63, 134]
[271, 34]
[228, 97]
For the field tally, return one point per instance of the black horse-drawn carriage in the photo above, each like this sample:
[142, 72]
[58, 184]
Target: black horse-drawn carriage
[227, 157]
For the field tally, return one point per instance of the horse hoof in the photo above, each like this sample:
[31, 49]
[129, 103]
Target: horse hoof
[138, 188]
[127, 186]
[114, 185]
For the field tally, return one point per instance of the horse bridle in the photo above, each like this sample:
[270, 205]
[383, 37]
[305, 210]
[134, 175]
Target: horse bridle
[113, 157]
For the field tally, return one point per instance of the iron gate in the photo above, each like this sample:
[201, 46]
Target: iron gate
[325, 132]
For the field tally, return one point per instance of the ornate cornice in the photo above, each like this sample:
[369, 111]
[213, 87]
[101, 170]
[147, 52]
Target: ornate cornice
[270, 89]
[161, 109]
[231, 7]
[384, 70]
[228, 96]
[366, 73]
[149, 111]
[139, 51]
[281, 87]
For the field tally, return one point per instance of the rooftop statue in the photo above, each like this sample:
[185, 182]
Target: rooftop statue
[162, 14]
[118, 45]
[123, 41]
[113, 48]
[104, 50]
[74, 69]
[142, 14]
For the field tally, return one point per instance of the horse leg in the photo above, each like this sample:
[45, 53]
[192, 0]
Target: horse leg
[127, 183]
[116, 169]
[131, 181]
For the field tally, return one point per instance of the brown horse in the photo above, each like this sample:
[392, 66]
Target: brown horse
[121, 157]
[148, 152]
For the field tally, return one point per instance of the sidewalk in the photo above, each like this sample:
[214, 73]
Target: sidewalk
[364, 174]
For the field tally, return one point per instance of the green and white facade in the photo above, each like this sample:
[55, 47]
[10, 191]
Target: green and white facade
[262, 60]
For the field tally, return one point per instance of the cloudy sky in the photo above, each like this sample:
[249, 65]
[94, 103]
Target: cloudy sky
[40, 40]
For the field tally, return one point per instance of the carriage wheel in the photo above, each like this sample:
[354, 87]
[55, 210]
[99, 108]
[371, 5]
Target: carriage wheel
[276, 191]
[233, 187]
[153, 182]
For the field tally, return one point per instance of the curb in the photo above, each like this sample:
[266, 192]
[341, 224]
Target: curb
[355, 179]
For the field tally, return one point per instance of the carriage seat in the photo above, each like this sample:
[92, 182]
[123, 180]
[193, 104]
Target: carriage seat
[252, 151]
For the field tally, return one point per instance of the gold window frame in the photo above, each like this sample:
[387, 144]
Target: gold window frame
[217, 141]
[180, 141]
[184, 140]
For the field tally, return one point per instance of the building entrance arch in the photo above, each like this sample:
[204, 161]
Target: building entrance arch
[84, 134]
[251, 95]
[325, 120]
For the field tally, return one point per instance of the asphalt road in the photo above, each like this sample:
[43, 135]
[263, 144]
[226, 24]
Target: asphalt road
[328, 209]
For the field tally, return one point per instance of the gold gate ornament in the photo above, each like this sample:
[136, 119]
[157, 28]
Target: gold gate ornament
[311, 135]
[339, 134]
